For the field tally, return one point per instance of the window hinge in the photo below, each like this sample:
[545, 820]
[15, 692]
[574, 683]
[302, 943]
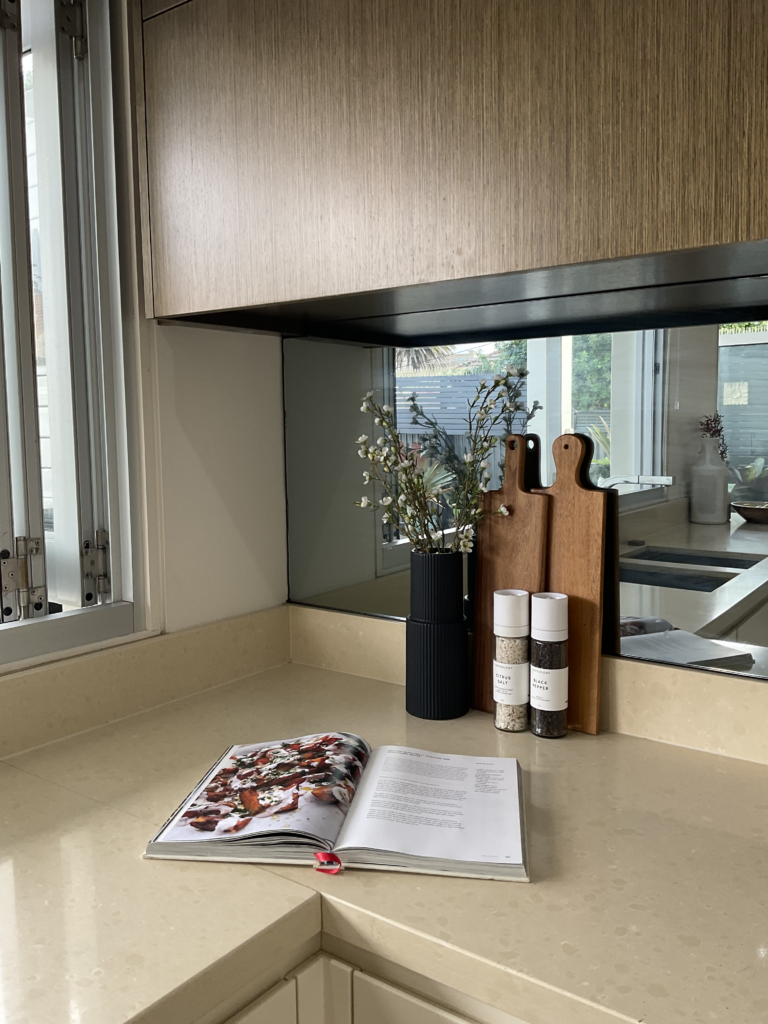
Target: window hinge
[20, 599]
[9, 15]
[72, 24]
[96, 566]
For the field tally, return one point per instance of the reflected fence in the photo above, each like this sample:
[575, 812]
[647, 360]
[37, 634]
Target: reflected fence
[446, 399]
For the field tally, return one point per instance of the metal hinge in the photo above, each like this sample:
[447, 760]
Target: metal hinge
[19, 598]
[9, 15]
[72, 24]
[96, 566]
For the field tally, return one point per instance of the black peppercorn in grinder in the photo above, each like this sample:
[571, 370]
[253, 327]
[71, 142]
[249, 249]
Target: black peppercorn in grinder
[549, 664]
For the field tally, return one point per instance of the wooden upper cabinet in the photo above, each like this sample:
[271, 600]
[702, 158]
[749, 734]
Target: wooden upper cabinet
[301, 148]
[149, 8]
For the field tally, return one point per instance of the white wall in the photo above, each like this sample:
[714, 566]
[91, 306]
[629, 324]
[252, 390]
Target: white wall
[221, 473]
[691, 394]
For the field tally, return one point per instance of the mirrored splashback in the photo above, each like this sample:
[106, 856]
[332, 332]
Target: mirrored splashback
[672, 413]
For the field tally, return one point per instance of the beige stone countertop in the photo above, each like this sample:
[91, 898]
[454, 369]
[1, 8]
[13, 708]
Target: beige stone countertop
[649, 864]
[736, 536]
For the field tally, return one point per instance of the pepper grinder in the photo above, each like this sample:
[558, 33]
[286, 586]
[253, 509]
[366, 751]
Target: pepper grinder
[549, 664]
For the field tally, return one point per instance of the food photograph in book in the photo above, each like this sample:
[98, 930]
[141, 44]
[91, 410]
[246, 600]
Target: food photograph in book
[301, 785]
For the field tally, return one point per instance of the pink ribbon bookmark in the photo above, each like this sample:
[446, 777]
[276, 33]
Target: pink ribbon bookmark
[328, 863]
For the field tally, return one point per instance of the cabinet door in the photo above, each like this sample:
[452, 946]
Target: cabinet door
[322, 147]
[278, 1006]
[753, 629]
[324, 992]
[375, 1002]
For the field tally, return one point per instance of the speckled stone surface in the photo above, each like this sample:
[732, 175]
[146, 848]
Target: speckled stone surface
[44, 703]
[711, 711]
[92, 934]
[649, 899]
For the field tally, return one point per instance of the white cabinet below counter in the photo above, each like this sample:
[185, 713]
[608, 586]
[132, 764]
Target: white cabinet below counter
[377, 1002]
[327, 991]
[753, 629]
[277, 1006]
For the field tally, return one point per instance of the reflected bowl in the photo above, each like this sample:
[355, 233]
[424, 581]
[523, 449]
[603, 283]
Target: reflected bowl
[752, 511]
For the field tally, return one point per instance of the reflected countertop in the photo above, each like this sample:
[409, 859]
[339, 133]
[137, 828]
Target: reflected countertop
[711, 614]
[647, 903]
[737, 536]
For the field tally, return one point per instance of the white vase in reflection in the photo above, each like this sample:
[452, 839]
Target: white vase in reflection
[709, 485]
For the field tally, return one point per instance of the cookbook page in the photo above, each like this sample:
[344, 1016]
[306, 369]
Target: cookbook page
[303, 785]
[424, 804]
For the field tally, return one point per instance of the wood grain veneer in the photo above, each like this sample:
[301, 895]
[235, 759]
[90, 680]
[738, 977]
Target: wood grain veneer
[149, 8]
[576, 567]
[323, 147]
[142, 169]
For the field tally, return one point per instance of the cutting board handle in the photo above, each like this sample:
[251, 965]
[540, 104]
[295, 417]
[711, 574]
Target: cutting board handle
[532, 462]
[514, 465]
[572, 454]
[522, 464]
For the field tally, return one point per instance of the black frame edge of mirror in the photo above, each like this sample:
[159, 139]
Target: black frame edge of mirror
[676, 289]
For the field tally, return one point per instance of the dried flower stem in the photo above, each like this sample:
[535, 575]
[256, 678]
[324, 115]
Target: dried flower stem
[712, 426]
[416, 490]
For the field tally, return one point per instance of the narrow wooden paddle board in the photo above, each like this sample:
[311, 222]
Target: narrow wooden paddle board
[511, 553]
[576, 567]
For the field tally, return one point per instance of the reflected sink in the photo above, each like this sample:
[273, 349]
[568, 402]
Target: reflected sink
[683, 557]
[676, 580]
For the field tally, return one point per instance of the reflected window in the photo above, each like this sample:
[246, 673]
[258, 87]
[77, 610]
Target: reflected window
[743, 405]
[648, 400]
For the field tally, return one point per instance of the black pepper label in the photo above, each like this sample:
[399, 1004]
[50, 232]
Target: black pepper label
[549, 688]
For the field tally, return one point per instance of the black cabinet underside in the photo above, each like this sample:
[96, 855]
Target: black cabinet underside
[716, 284]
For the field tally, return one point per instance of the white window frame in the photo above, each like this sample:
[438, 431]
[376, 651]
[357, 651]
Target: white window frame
[391, 556]
[21, 511]
[100, 464]
[550, 363]
[649, 421]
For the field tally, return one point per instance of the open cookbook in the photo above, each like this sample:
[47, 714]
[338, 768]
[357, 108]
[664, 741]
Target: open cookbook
[393, 808]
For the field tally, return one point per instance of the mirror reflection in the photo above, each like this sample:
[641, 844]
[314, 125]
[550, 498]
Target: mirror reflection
[679, 422]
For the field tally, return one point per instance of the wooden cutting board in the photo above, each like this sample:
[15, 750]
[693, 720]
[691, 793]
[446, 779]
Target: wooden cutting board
[511, 553]
[576, 567]
[611, 585]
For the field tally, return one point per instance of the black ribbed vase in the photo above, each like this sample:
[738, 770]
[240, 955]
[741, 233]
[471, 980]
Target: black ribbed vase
[436, 656]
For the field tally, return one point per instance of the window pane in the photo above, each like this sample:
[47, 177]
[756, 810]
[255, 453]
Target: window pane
[51, 354]
[20, 483]
[59, 200]
[57, 219]
[743, 405]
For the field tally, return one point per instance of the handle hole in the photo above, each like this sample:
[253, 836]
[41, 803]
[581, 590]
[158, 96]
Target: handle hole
[566, 446]
[531, 444]
[513, 445]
